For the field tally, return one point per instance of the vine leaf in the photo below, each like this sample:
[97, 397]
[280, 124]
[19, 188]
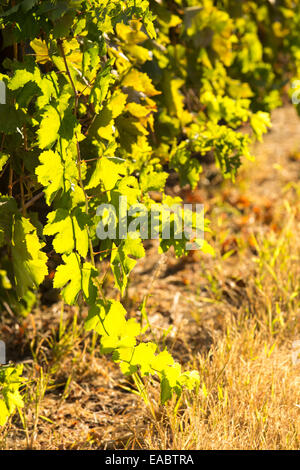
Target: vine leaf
[10, 382]
[74, 278]
[143, 356]
[28, 260]
[108, 320]
[55, 174]
[41, 50]
[3, 159]
[50, 173]
[140, 82]
[260, 122]
[122, 263]
[153, 181]
[69, 230]
[11, 118]
[21, 78]
[70, 274]
[189, 168]
[88, 287]
[108, 171]
[49, 127]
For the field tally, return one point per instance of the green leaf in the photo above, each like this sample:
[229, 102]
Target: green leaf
[49, 127]
[96, 316]
[153, 181]
[122, 263]
[161, 361]
[11, 118]
[107, 318]
[3, 160]
[260, 122]
[29, 261]
[140, 82]
[4, 412]
[165, 391]
[20, 79]
[70, 231]
[50, 173]
[188, 168]
[143, 356]
[10, 398]
[108, 171]
[69, 273]
[88, 287]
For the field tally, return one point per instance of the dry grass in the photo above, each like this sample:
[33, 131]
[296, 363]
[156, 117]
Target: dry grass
[247, 399]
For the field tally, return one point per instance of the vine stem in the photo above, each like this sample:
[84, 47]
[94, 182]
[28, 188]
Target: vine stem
[10, 183]
[33, 200]
[23, 172]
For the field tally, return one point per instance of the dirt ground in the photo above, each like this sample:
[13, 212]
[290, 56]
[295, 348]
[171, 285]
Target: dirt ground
[79, 399]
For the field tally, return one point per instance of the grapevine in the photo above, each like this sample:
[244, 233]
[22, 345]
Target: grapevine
[103, 99]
